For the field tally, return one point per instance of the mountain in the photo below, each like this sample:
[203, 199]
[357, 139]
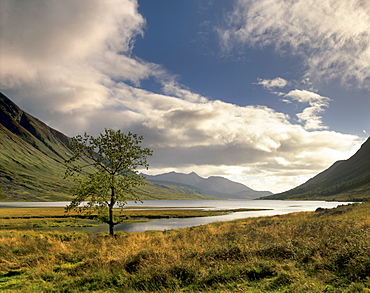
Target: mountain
[213, 186]
[32, 156]
[345, 180]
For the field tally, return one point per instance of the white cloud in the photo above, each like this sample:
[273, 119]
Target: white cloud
[310, 116]
[171, 87]
[332, 37]
[69, 64]
[272, 83]
[69, 50]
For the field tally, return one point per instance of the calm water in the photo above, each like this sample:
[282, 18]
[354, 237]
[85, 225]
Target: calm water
[276, 207]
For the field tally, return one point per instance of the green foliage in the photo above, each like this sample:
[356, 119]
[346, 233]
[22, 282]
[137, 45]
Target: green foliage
[115, 158]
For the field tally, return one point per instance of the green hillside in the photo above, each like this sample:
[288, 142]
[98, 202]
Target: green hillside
[26, 173]
[347, 180]
[31, 157]
[32, 161]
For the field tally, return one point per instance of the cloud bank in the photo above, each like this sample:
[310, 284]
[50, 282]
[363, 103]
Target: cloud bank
[70, 64]
[332, 37]
[217, 137]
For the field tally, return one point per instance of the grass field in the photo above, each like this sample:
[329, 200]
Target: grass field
[327, 251]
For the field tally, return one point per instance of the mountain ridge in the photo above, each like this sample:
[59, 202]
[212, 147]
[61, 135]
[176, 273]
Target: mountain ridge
[214, 186]
[344, 180]
[31, 129]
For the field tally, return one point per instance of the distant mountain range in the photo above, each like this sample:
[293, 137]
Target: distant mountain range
[213, 186]
[344, 180]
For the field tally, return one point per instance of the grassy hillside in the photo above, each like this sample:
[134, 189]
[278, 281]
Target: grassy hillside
[347, 180]
[27, 173]
[31, 157]
[326, 251]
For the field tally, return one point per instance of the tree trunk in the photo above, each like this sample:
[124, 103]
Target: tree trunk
[111, 219]
[111, 229]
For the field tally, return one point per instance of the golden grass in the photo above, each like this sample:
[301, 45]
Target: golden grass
[31, 212]
[325, 251]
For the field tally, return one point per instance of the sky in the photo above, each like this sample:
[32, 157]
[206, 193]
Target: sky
[264, 92]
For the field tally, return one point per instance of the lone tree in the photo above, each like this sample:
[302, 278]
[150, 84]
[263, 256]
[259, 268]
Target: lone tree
[105, 171]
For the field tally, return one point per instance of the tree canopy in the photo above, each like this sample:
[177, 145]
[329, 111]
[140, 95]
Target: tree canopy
[105, 171]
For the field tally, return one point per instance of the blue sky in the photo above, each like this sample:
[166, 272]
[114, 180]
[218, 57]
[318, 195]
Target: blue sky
[182, 36]
[267, 92]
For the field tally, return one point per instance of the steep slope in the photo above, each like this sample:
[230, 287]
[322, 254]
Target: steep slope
[213, 186]
[31, 156]
[48, 140]
[32, 161]
[344, 180]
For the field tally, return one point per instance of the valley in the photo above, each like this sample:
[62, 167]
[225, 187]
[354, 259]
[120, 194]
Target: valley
[322, 251]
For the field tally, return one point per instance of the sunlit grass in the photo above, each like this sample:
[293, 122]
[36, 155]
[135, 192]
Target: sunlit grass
[326, 251]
